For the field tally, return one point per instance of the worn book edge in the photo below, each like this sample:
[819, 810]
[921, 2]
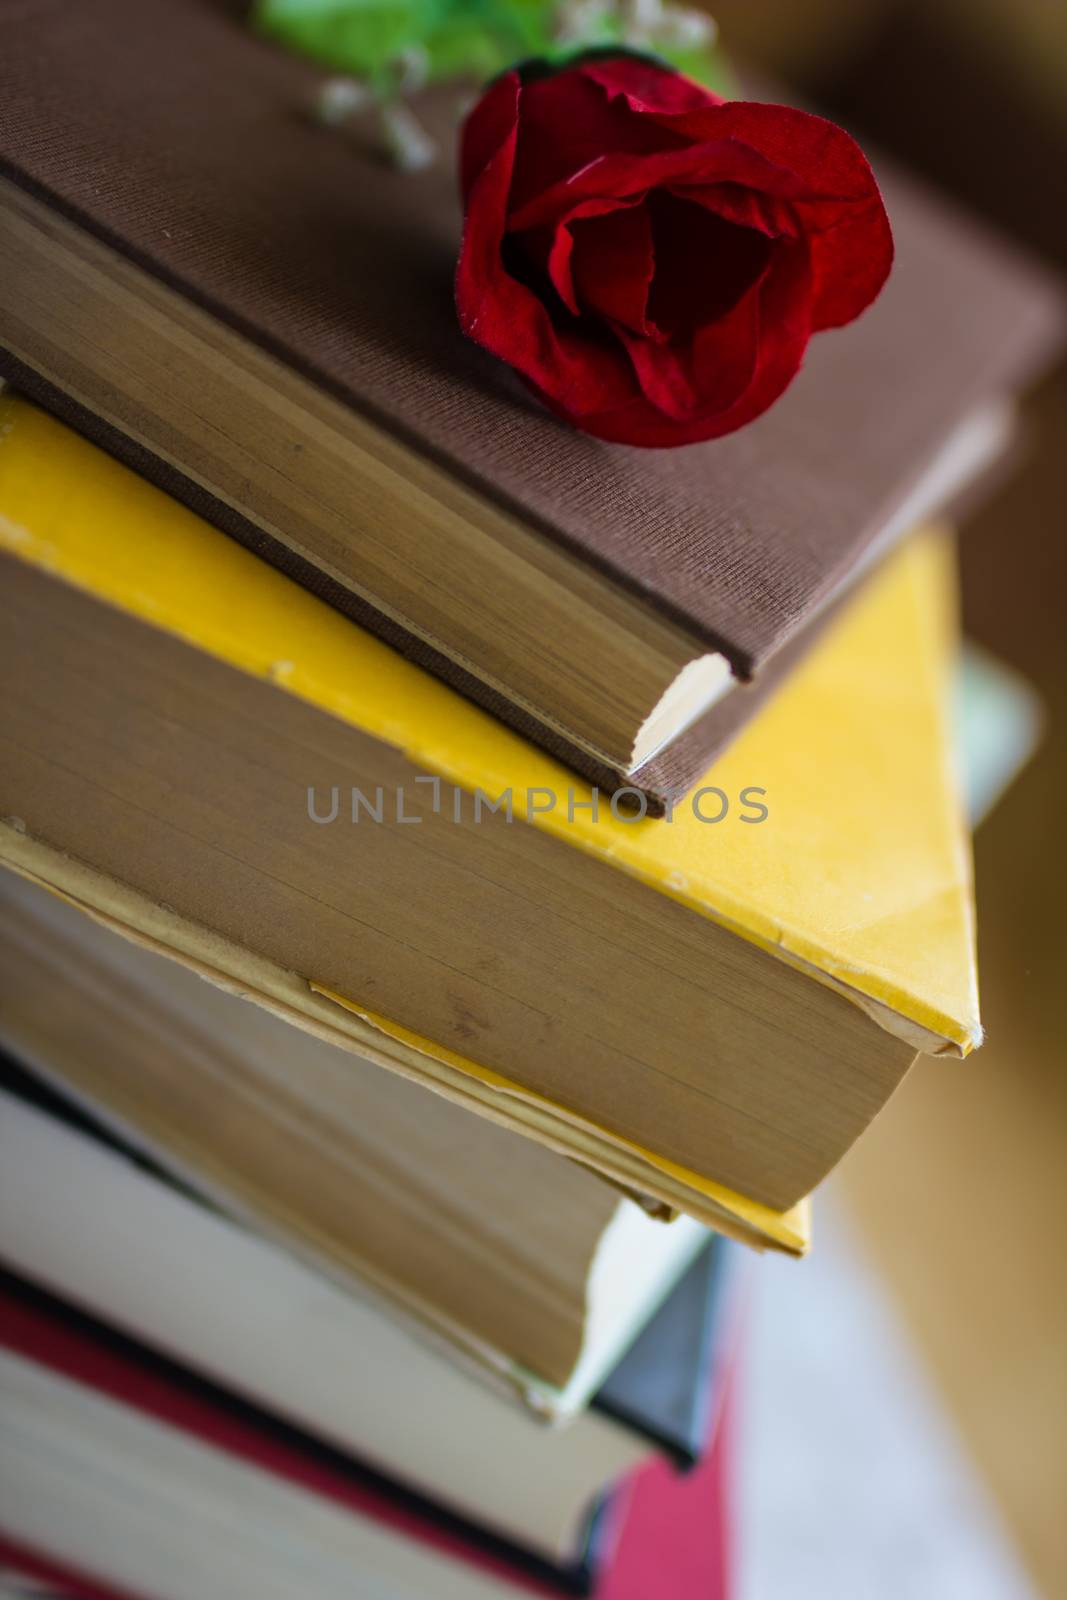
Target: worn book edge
[304, 1003]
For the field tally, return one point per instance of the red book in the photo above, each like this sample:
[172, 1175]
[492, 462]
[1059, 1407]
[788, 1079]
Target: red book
[674, 1535]
[665, 1533]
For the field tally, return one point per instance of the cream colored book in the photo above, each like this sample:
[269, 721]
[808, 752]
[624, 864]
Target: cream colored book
[87, 1223]
[709, 1007]
[149, 1508]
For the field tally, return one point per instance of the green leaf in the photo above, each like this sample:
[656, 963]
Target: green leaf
[460, 38]
[358, 37]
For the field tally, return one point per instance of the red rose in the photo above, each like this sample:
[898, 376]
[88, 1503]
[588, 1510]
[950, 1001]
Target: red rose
[653, 259]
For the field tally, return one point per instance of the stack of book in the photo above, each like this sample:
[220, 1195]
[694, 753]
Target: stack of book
[461, 881]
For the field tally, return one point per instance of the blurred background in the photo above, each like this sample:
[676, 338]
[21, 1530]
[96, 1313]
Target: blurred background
[957, 1197]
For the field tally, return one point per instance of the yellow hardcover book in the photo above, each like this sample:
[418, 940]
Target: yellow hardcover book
[707, 1007]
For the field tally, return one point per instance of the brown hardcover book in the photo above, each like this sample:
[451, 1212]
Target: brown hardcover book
[255, 313]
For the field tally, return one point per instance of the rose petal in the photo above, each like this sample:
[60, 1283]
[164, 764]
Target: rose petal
[550, 247]
[560, 254]
[705, 375]
[586, 372]
[646, 87]
[841, 209]
[852, 254]
[486, 128]
[783, 337]
[839, 205]
[567, 122]
[826, 159]
[632, 176]
[546, 252]
[704, 264]
[767, 214]
[613, 264]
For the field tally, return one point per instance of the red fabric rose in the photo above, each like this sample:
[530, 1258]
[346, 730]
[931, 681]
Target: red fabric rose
[652, 259]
